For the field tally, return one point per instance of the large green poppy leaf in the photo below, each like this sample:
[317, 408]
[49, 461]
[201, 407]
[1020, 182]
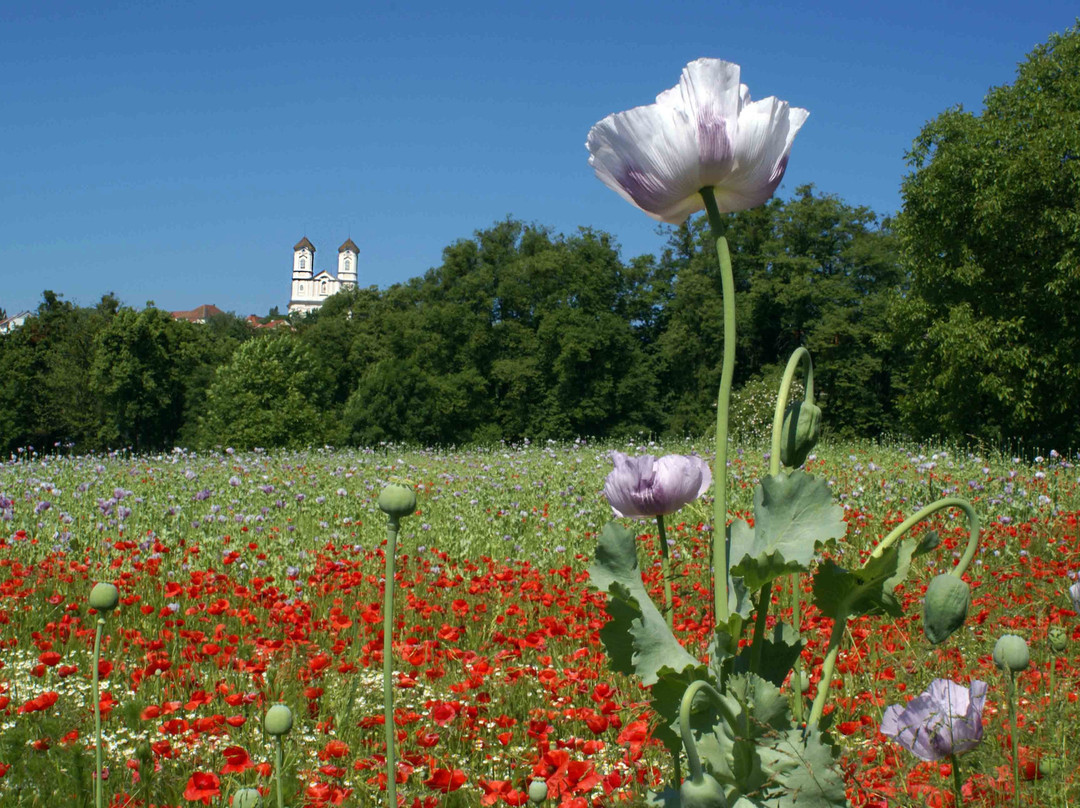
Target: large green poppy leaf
[637, 638]
[793, 515]
[867, 590]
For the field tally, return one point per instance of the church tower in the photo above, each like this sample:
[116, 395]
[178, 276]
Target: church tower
[346, 264]
[303, 260]
[303, 298]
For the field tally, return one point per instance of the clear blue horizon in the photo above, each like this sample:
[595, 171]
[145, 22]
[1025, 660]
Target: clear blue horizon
[174, 153]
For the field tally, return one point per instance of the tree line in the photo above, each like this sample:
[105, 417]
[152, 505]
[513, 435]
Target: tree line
[519, 333]
[958, 320]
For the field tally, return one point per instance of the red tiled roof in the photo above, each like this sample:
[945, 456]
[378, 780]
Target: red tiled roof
[203, 312]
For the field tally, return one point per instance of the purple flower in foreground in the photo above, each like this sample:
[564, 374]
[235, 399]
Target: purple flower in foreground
[704, 132]
[1074, 593]
[647, 486]
[945, 720]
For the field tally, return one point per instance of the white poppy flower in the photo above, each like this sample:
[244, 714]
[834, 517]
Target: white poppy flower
[704, 132]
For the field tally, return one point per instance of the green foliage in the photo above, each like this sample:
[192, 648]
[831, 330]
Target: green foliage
[269, 394]
[138, 378]
[990, 233]
[45, 395]
[812, 271]
[794, 516]
[637, 637]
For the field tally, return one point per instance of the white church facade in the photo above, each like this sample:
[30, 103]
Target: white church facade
[310, 290]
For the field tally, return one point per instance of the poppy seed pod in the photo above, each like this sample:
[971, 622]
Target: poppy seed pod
[707, 793]
[802, 428]
[945, 607]
[1011, 653]
[247, 798]
[1058, 639]
[397, 500]
[538, 791]
[279, 720]
[104, 597]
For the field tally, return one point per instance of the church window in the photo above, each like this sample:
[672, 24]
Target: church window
[303, 262]
[346, 263]
[323, 290]
[301, 288]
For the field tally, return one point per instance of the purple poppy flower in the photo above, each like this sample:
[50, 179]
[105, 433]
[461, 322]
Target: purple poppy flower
[945, 720]
[704, 132]
[648, 486]
[1074, 593]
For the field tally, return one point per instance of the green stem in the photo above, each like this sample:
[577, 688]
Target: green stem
[723, 402]
[929, 510]
[1015, 739]
[665, 571]
[388, 660]
[279, 763]
[799, 356]
[958, 784]
[828, 667]
[97, 714]
[760, 621]
[693, 760]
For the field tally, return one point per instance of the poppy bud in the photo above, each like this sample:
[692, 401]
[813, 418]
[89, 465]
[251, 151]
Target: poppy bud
[1011, 652]
[1048, 766]
[802, 427]
[538, 791]
[104, 597]
[397, 500]
[247, 798]
[279, 720]
[708, 793]
[945, 607]
[1058, 638]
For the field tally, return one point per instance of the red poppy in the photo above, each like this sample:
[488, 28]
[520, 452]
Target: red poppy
[203, 787]
[237, 760]
[445, 780]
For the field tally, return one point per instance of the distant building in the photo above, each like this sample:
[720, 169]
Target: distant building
[310, 291]
[254, 322]
[199, 315]
[11, 323]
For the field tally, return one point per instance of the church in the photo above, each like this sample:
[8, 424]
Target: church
[309, 291]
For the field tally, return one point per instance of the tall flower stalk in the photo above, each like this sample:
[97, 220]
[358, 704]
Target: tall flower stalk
[103, 599]
[396, 501]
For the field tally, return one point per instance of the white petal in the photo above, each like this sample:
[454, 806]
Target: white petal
[766, 131]
[648, 155]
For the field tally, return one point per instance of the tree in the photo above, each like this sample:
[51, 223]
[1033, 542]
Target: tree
[138, 378]
[810, 271]
[990, 232]
[45, 396]
[270, 394]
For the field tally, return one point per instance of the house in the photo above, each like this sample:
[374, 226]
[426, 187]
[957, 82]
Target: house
[9, 324]
[198, 315]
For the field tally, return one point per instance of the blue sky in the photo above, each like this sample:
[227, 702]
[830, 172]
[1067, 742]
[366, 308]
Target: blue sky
[175, 151]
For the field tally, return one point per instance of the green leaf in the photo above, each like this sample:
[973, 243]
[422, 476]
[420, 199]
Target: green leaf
[929, 541]
[793, 515]
[803, 771]
[778, 654]
[864, 591]
[637, 637]
[774, 765]
[667, 695]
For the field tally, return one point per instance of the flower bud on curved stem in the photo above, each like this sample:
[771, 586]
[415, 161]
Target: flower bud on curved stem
[704, 791]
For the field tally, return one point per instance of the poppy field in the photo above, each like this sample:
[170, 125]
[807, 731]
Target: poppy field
[252, 579]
